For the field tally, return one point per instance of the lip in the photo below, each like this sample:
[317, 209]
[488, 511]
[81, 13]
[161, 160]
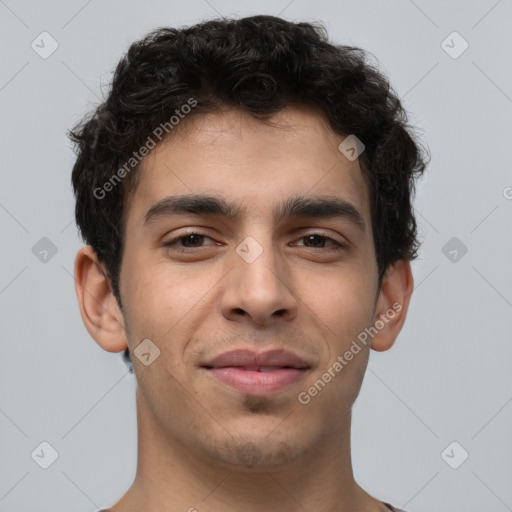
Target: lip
[257, 373]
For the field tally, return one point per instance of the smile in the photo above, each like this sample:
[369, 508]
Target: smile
[257, 373]
[260, 380]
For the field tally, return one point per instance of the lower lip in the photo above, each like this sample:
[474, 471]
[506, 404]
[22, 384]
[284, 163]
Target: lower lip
[258, 383]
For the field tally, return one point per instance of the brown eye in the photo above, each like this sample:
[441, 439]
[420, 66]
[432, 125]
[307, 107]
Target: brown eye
[318, 241]
[314, 240]
[187, 243]
[193, 239]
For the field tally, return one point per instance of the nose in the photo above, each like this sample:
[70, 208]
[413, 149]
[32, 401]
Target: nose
[260, 290]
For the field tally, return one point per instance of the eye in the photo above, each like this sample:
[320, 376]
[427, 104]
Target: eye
[192, 241]
[186, 243]
[318, 240]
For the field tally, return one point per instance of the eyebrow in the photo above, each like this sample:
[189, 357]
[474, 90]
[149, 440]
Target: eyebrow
[319, 207]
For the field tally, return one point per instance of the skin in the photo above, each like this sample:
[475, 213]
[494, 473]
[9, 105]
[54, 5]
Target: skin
[203, 445]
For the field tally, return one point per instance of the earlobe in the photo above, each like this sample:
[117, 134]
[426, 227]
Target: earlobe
[98, 306]
[392, 305]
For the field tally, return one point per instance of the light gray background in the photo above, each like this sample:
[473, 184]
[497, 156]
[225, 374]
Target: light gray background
[448, 376]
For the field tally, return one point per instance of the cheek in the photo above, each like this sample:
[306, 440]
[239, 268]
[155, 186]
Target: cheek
[349, 301]
[157, 294]
[338, 380]
[166, 305]
[344, 301]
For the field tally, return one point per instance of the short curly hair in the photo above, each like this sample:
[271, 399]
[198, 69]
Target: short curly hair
[259, 64]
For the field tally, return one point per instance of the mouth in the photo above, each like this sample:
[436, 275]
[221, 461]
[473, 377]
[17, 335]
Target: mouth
[257, 373]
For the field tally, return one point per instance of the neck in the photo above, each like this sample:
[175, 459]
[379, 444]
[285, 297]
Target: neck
[172, 478]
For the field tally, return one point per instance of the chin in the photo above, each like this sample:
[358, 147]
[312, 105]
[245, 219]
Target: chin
[257, 452]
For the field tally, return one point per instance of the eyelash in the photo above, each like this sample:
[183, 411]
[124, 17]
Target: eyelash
[172, 244]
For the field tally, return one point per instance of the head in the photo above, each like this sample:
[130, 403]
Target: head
[226, 136]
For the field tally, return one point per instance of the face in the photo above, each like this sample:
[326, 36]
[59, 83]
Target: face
[253, 278]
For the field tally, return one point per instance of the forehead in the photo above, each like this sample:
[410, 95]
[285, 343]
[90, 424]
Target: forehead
[257, 164]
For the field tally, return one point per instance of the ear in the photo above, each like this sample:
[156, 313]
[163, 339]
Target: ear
[392, 304]
[100, 311]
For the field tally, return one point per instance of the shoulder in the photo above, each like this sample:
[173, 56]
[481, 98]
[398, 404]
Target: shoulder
[391, 508]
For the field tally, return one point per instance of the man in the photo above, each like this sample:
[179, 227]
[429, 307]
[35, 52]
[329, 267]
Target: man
[245, 193]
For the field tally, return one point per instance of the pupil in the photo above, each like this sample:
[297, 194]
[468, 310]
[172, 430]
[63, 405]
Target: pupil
[194, 236]
[310, 237]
